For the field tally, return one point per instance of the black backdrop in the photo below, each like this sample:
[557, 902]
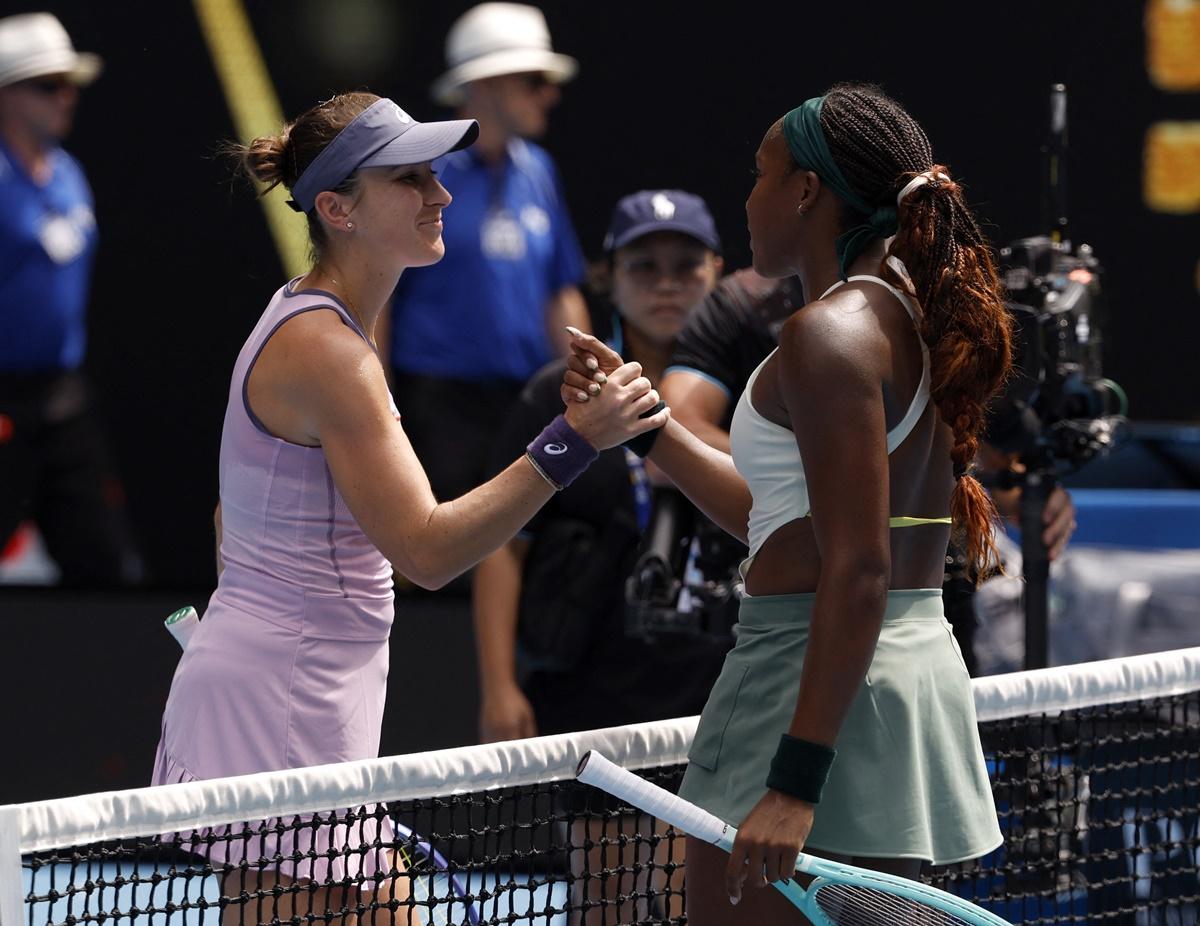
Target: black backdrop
[667, 96]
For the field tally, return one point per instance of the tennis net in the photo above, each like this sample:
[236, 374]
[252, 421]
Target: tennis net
[1095, 768]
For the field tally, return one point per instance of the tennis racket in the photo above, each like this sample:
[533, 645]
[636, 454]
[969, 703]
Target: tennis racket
[441, 897]
[182, 624]
[839, 895]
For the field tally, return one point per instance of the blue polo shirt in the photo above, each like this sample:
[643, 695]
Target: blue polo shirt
[47, 245]
[480, 312]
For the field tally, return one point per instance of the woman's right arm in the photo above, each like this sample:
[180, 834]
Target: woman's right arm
[335, 382]
[704, 474]
[697, 404]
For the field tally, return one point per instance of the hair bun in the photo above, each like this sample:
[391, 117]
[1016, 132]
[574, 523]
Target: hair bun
[264, 159]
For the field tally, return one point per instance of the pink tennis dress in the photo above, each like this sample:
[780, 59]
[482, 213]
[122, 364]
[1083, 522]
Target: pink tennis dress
[289, 666]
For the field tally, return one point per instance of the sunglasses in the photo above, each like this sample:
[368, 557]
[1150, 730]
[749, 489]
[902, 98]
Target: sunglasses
[535, 80]
[48, 85]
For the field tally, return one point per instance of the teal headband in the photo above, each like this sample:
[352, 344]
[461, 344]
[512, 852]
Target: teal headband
[806, 141]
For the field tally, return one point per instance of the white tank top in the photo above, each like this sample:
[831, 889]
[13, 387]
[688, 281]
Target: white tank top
[767, 457]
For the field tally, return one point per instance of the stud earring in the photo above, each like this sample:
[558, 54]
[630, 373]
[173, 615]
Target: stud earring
[349, 224]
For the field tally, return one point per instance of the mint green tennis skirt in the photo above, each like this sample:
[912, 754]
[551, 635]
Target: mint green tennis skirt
[909, 780]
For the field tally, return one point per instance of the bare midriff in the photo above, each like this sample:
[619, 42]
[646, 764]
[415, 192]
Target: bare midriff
[789, 562]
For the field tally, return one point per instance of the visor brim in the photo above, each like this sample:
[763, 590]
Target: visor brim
[425, 141]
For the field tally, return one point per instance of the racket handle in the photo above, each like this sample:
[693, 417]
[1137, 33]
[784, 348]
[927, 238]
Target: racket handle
[599, 772]
[686, 817]
[182, 624]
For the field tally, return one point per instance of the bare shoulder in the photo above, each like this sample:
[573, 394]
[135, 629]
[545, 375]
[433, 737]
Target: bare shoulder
[317, 358]
[319, 342]
[838, 331]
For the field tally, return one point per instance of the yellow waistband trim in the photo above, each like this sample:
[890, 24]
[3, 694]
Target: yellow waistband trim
[916, 522]
[744, 566]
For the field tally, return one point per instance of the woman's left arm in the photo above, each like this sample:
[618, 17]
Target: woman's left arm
[830, 379]
[566, 308]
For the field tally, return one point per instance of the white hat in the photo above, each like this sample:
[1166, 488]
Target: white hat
[499, 38]
[36, 44]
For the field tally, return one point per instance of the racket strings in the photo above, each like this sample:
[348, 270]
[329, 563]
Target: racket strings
[853, 905]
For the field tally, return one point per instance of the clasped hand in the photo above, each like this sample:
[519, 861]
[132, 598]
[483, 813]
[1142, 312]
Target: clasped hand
[605, 396]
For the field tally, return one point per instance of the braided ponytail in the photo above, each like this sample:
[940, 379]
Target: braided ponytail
[968, 331]
[880, 148]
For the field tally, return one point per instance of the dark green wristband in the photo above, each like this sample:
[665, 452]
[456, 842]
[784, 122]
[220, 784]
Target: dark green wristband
[642, 444]
[800, 768]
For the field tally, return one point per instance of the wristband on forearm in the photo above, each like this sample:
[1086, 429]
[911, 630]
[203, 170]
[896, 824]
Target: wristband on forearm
[644, 442]
[560, 453]
[800, 768]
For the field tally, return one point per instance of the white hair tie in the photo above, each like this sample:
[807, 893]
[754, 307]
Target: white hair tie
[919, 180]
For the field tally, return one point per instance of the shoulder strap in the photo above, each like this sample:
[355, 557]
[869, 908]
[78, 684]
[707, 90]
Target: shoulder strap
[916, 408]
[900, 294]
[839, 283]
[294, 299]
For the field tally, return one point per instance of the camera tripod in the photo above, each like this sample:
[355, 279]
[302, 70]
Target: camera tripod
[1037, 483]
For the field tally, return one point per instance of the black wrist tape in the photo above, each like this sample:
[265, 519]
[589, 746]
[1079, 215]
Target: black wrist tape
[642, 444]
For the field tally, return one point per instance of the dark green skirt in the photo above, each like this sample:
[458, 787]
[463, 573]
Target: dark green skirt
[909, 780]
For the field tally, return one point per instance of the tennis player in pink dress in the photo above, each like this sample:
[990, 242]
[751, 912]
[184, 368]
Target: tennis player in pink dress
[321, 495]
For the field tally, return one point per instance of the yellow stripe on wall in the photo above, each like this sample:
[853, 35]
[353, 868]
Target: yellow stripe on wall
[255, 108]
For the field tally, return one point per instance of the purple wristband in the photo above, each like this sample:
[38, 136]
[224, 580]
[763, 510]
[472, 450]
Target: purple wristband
[560, 454]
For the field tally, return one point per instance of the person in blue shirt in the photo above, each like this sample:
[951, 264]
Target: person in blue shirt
[53, 464]
[494, 310]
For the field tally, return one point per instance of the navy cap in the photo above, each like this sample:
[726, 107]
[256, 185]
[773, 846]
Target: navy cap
[650, 211]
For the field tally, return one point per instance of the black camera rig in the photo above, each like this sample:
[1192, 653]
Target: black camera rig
[684, 581]
[1058, 411]
[1057, 404]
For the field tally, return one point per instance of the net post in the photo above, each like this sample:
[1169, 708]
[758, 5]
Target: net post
[12, 901]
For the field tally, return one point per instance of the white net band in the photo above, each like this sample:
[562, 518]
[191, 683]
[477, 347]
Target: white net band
[45, 825]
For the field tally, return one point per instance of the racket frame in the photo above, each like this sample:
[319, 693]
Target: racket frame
[596, 770]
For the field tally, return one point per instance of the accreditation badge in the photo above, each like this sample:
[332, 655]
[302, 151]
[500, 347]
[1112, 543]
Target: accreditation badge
[501, 236]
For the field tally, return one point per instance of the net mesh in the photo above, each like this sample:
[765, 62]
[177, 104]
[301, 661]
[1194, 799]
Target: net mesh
[1100, 810]
[1096, 776]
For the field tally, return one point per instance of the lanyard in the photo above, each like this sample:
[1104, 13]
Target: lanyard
[642, 498]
